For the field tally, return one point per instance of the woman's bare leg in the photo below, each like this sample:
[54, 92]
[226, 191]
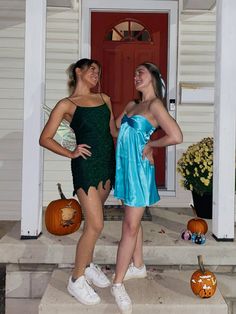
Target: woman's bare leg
[127, 245]
[103, 194]
[92, 203]
[104, 191]
[137, 257]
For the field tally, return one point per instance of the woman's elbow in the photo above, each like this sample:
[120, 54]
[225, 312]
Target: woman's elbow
[178, 138]
[42, 141]
[115, 133]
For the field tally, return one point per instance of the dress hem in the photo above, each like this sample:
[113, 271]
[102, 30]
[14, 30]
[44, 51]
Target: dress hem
[126, 204]
[86, 190]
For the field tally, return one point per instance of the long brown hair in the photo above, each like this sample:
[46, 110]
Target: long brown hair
[157, 80]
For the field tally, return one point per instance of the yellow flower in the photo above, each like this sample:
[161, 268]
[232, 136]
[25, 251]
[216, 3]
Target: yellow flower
[196, 166]
[205, 181]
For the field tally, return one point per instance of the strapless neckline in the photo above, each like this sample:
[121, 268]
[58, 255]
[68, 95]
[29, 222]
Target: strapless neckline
[139, 115]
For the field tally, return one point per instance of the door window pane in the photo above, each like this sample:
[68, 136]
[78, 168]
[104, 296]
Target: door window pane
[128, 30]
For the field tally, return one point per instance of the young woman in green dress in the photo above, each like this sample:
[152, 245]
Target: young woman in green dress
[92, 164]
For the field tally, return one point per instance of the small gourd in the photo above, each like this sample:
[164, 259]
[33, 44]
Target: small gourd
[63, 216]
[186, 235]
[198, 238]
[203, 282]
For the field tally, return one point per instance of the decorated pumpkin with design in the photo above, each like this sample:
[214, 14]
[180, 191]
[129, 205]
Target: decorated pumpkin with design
[63, 216]
[203, 282]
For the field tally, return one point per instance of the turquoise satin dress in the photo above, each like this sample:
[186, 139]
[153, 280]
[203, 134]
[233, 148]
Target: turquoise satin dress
[135, 178]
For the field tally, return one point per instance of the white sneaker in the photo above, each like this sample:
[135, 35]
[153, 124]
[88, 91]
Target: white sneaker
[122, 299]
[82, 291]
[94, 275]
[135, 272]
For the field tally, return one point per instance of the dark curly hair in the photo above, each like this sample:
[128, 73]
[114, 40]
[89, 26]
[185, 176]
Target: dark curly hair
[82, 64]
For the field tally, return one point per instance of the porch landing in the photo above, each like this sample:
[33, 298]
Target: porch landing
[162, 244]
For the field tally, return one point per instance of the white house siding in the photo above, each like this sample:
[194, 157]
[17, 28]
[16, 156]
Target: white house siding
[12, 17]
[62, 48]
[196, 64]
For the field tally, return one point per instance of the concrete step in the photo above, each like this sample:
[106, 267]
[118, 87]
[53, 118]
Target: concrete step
[21, 306]
[162, 292]
[162, 244]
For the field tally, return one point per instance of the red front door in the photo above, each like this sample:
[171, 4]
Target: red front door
[121, 41]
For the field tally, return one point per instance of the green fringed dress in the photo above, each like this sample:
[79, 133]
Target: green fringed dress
[91, 127]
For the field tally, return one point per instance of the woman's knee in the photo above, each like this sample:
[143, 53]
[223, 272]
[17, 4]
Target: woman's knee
[95, 228]
[130, 228]
[99, 227]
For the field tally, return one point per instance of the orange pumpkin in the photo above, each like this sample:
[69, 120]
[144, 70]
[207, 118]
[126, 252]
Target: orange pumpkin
[197, 225]
[203, 282]
[63, 216]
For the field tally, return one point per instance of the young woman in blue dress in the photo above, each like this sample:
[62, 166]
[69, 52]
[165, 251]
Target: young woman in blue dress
[135, 174]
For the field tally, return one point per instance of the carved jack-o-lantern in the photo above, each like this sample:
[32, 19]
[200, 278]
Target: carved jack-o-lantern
[197, 225]
[63, 216]
[203, 282]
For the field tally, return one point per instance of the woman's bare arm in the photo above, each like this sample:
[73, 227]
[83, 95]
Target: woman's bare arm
[47, 136]
[173, 134]
[113, 127]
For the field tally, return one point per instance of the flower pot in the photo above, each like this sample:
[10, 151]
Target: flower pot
[203, 205]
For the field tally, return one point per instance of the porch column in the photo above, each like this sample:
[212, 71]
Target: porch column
[34, 86]
[224, 124]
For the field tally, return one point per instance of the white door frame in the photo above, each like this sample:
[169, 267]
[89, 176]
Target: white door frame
[170, 7]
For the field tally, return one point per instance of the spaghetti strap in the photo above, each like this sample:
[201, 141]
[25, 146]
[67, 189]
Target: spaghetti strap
[72, 101]
[102, 98]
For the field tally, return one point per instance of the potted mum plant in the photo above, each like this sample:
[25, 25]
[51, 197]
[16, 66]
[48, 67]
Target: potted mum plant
[196, 168]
